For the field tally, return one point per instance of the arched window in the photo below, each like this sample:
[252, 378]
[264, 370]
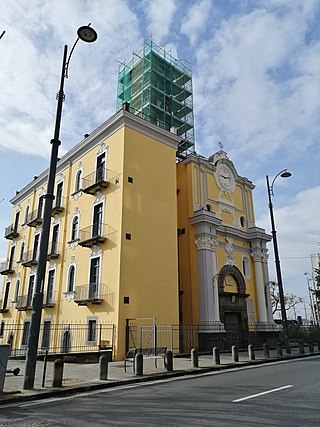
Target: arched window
[75, 228]
[78, 181]
[71, 278]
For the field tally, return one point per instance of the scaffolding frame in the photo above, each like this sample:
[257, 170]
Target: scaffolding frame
[158, 87]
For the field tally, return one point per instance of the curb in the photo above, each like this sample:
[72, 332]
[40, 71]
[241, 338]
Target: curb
[37, 394]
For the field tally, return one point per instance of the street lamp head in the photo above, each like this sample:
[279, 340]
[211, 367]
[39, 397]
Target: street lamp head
[87, 34]
[285, 174]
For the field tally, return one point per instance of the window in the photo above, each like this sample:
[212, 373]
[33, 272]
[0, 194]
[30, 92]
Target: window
[97, 220]
[49, 296]
[92, 330]
[75, 228]
[71, 278]
[100, 167]
[40, 207]
[45, 343]
[6, 296]
[11, 257]
[78, 181]
[94, 278]
[30, 290]
[16, 222]
[21, 251]
[2, 328]
[26, 214]
[25, 334]
[35, 246]
[54, 243]
[16, 291]
[59, 194]
[242, 221]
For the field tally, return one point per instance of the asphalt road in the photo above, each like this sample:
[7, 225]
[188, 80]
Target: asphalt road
[277, 394]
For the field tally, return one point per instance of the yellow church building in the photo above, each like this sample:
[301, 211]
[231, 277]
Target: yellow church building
[148, 238]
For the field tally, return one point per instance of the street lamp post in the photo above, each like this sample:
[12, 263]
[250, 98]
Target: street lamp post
[313, 301]
[86, 34]
[284, 174]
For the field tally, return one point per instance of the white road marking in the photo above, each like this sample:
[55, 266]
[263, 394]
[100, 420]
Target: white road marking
[54, 399]
[261, 394]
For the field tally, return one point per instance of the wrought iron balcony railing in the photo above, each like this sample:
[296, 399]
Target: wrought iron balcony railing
[91, 293]
[58, 205]
[24, 302]
[49, 299]
[95, 234]
[11, 232]
[54, 250]
[98, 180]
[30, 258]
[7, 267]
[34, 218]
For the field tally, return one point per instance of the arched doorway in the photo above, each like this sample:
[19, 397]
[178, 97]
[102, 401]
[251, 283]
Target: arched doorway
[233, 306]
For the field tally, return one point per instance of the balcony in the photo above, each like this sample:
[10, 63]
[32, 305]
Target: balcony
[98, 180]
[6, 267]
[49, 299]
[30, 258]
[11, 232]
[24, 302]
[92, 293]
[54, 250]
[34, 218]
[58, 206]
[94, 234]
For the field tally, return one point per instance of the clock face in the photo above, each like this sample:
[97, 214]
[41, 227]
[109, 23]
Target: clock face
[225, 177]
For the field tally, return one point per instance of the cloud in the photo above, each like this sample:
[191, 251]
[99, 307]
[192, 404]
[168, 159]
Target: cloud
[194, 22]
[160, 17]
[253, 87]
[297, 226]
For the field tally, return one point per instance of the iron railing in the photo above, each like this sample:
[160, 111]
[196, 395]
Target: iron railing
[182, 338]
[96, 233]
[53, 249]
[60, 338]
[34, 218]
[7, 267]
[30, 258]
[58, 205]
[92, 292]
[101, 176]
[11, 232]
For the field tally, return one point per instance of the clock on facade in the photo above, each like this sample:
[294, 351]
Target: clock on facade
[225, 177]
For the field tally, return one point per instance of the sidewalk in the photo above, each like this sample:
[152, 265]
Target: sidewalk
[84, 377]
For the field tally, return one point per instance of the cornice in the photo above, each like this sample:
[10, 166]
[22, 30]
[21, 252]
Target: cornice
[119, 120]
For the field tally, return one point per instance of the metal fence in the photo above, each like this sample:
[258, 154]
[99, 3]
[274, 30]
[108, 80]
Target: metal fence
[59, 338]
[182, 338]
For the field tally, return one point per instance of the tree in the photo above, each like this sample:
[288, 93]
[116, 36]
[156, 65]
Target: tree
[290, 300]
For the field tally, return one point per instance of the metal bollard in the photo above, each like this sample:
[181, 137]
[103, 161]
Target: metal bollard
[216, 355]
[57, 373]
[266, 351]
[103, 367]
[194, 358]
[138, 362]
[311, 348]
[235, 353]
[169, 360]
[279, 349]
[251, 353]
[301, 347]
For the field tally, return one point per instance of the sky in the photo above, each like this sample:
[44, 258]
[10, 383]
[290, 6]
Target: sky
[256, 89]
